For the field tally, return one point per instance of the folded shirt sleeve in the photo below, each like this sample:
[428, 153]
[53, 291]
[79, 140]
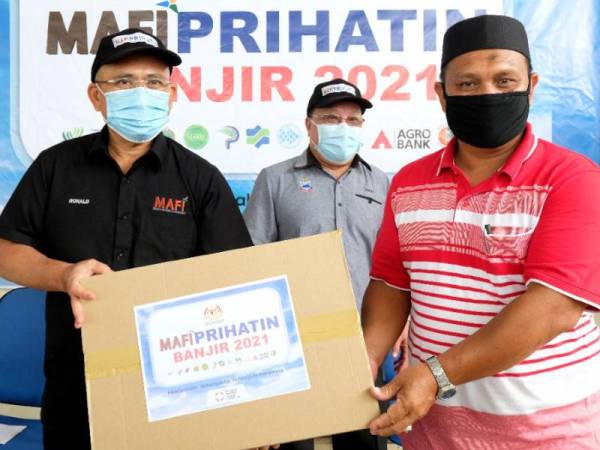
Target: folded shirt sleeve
[564, 251]
[386, 260]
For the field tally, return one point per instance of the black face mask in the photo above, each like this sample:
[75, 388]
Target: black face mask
[488, 120]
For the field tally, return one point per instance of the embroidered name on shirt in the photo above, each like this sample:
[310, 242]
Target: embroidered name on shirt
[170, 205]
[79, 201]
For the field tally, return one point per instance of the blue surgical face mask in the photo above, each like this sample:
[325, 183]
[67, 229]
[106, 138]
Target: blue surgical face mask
[339, 143]
[137, 114]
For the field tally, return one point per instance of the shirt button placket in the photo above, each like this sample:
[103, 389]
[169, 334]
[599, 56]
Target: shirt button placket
[123, 226]
[337, 199]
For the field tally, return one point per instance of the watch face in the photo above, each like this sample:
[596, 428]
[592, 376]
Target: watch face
[447, 393]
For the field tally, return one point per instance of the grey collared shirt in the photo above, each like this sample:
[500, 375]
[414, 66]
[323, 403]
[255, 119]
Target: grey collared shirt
[296, 198]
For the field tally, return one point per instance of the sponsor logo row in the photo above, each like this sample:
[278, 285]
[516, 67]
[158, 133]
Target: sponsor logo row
[290, 136]
[197, 137]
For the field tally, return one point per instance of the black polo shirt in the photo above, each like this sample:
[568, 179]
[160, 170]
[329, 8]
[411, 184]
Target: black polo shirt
[74, 203]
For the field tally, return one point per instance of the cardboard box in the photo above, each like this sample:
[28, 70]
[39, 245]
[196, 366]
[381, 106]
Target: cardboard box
[334, 400]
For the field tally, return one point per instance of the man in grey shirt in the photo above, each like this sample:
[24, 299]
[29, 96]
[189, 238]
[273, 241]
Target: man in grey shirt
[327, 187]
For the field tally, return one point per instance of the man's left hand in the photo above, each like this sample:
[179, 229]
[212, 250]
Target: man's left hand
[415, 390]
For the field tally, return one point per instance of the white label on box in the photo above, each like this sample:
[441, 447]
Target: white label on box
[220, 348]
[228, 395]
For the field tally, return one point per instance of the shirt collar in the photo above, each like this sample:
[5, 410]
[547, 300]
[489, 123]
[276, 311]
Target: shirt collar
[512, 166]
[307, 159]
[447, 157]
[521, 154]
[156, 155]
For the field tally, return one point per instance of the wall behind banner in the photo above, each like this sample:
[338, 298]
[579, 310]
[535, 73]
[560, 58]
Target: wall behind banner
[564, 39]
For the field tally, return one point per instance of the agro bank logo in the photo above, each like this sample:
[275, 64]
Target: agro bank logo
[404, 139]
[258, 136]
[413, 139]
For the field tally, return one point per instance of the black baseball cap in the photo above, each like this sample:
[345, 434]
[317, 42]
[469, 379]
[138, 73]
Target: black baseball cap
[335, 91]
[129, 42]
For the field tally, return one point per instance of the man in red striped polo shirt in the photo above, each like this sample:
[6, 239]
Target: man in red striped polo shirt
[492, 247]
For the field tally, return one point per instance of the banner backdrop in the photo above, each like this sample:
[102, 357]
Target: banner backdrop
[248, 72]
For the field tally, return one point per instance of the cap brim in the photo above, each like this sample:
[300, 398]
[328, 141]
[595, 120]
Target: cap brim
[330, 100]
[170, 58]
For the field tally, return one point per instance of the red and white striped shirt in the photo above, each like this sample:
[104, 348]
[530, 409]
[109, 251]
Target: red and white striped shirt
[465, 252]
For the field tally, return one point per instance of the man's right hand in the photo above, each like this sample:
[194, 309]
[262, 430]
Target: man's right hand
[72, 274]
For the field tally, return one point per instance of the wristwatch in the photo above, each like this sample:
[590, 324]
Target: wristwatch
[446, 389]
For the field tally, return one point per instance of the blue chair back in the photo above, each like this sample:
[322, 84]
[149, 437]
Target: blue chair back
[22, 342]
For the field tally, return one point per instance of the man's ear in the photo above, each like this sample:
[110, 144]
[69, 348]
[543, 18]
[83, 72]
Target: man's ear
[534, 82]
[439, 90]
[95, 96]
[172, 95]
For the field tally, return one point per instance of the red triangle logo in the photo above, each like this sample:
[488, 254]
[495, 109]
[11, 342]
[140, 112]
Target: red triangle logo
[381, 142]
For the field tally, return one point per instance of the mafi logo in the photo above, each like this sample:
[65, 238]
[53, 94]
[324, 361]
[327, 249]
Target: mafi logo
[213, 313]
[72, 134]
[195, 137]
[170, 205]
[170, 4]
[257, 136]
[289, 136]
[232, 135]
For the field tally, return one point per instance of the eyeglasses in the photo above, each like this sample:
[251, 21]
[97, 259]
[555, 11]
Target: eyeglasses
[119, 84]
[334, 119]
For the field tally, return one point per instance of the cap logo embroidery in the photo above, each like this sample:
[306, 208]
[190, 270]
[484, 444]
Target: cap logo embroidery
[134, 38]
[335, 88]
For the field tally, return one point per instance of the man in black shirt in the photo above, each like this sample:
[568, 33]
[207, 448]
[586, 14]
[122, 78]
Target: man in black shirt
[121, 198]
